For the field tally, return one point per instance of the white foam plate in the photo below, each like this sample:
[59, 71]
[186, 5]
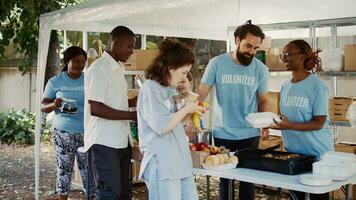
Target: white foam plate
[314, 180]
[220, 167]
[262, 119]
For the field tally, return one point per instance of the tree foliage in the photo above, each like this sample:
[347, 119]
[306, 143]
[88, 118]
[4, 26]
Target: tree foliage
[19, 23]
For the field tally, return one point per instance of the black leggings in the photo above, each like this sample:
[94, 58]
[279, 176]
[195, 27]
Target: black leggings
[247, 190]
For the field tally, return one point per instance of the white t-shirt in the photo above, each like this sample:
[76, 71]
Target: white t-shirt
[104, 82]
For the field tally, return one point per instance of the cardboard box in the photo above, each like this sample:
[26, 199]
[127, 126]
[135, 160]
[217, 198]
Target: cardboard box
[266, 43]
[135, 166]
[136, 153]
[350, 57]
[273, 62]
[274, 101]
[341, 103]
[348, 148]
[140, 59]
[338, 107]
[198, 157]
[132, 93]
[273, 141]
[338, 115]
[340, 195]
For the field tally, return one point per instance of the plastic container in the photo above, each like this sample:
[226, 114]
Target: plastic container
[334, 156]
[332, 59]
[69, 106]
[351, 114]
[314, 180]
[262, 119]
[327, 169]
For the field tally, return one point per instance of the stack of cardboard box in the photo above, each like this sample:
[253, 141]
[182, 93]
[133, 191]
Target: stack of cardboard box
[350, 57]
[338, 108]
[273, 61]
[140, 59]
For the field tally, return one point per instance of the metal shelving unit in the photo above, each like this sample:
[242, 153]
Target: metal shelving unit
[340, 123]
[323, 73]
[312, 25]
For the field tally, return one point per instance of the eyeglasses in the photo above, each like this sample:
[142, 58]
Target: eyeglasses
[285, 55]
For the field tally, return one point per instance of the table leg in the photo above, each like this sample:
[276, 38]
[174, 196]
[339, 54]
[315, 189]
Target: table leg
[307, 196]
[208, 187]
[88, 176]
[347, 194]
[293, 196]
[230, 189]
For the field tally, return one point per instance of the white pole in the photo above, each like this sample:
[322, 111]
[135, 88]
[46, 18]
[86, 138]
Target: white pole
[43, 44]
[85, 41]
[65, 45]
[143, 42]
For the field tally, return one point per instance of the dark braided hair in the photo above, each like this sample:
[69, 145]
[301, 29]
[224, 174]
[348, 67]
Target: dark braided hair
[312, 61]
[70, 53]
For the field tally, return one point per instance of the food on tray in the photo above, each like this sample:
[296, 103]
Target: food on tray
[281, 157]
[199, 147]
[232, 159]
[214, 150]
[212, 160]
[220, 159]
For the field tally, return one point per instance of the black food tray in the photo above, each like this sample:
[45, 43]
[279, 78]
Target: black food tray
[255, 159]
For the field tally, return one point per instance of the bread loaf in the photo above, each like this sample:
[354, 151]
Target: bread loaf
[212, 160]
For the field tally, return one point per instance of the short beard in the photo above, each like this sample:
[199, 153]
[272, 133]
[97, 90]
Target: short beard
[243, 59]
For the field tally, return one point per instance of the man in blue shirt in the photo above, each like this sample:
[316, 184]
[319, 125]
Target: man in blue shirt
[241, 88]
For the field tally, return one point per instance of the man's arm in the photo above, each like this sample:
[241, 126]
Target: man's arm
[101, 110]
[203, 91]
[263, 102]
[264, 106]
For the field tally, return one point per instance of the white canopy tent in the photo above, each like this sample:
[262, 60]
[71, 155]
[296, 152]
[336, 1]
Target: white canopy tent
[205, 19]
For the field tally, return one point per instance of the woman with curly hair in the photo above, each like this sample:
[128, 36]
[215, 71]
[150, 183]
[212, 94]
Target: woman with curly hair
[167, 165]
[304, 105]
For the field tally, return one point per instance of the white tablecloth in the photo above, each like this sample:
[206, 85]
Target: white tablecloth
[273, 179]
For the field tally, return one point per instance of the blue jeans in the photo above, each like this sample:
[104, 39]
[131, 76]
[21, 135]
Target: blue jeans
[179, 189]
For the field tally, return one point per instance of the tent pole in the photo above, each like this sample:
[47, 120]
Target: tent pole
[143, 42]
[65, 44]
[85, 41]
[43, 44]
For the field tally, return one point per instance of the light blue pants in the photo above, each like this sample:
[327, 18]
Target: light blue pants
[179, 189]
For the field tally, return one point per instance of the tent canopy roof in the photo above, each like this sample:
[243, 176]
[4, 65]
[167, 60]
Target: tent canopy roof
[205, 19]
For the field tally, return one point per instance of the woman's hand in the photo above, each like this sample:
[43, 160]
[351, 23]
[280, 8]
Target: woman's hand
[48, 105]
[282, 125]
[194, 107]
[57, 103]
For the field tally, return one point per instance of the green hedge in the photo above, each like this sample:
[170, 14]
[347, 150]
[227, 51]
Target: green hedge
[19, 127]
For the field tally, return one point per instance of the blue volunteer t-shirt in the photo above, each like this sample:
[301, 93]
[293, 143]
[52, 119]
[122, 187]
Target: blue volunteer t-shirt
[299, 103]
[62, 86]
[237, 87]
